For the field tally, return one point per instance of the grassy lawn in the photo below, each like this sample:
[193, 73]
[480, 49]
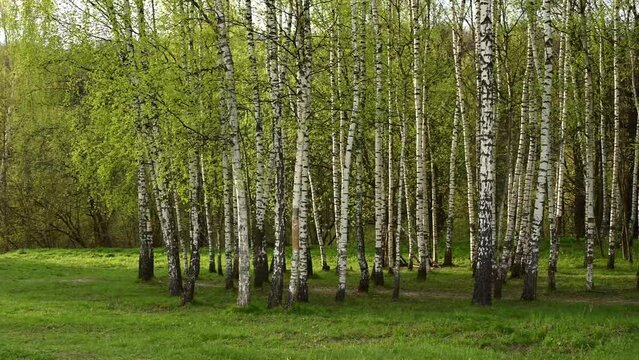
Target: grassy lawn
[87, 304]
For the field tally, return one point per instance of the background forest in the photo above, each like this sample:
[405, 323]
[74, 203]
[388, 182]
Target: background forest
[255, 131]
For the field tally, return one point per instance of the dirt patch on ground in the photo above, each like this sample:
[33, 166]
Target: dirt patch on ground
[81, 280]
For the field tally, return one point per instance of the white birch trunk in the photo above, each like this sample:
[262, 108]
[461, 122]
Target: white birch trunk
[343, 240]
[530, 279]
[145, 231]
[378, 274]
[590, 154]
[419, 149]
[228, 220]
[275, 81]
[398, 228]
[207, 219]
[635, 171]
[238, 168]
[614, 232]
[260, 262]
[485, 247]
[450, 214]
[318, 225]
[554, 239]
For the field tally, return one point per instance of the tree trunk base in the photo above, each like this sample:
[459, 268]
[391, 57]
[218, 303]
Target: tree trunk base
[552, 282]
[175, 288]
[220, 272]
[410, 264]
[261, 271]
[228, 285]
[515, 270]
[530, 287]
[448, 259]
[498, 286]
[189, 292]
[611, 262]
[145, 268]
[341, 294]
[302, 295]
[378, 278]
[212, 267]
[363, 286]
[421, 272]
[275, 296]
[325, 267]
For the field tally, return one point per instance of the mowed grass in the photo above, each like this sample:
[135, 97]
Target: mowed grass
[88, 304]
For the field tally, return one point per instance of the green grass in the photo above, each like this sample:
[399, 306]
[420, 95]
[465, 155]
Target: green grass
[87, 304]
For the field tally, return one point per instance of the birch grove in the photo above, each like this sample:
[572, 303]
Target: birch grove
[292, 136]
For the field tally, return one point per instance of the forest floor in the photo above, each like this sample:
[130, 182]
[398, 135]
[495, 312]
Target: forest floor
[88, 304]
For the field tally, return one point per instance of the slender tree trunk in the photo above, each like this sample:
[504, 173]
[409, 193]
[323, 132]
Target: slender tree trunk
[450, 215]
[554, 240]
[355, 114]
[228, 221]
[419, 146]
[378, 274]
[635, 171]
[530, 279]
[302, 294]
[275, 81]
[590, 152]
[145, 231]
[178, 229]
[485, 246]
[398, 229]
[389, 234]
[433, 197]
[260, 261]
[195, 192]
[158, 164]
[530, 111]
[335, 142]
[238, 168]
[635, 168]
[614, 232]
[298, 217]
[166, 222]
[465, 121]
[207, 219]
[359, 226]
[318, 225]
[605, 197]
[515, 199]
[409, 219]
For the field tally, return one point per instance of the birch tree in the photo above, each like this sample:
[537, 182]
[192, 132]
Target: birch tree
[613, 233]
[635, 171]
[590, 148]
[419, 148]
[378, 274]
[260, 261]
[298, 216]
[275, 82]
[236, 157]
[355, 115]
[564, 68]
[145, 230]
[158, 163]
[485, 246]
[195, 193]
[530, 279]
